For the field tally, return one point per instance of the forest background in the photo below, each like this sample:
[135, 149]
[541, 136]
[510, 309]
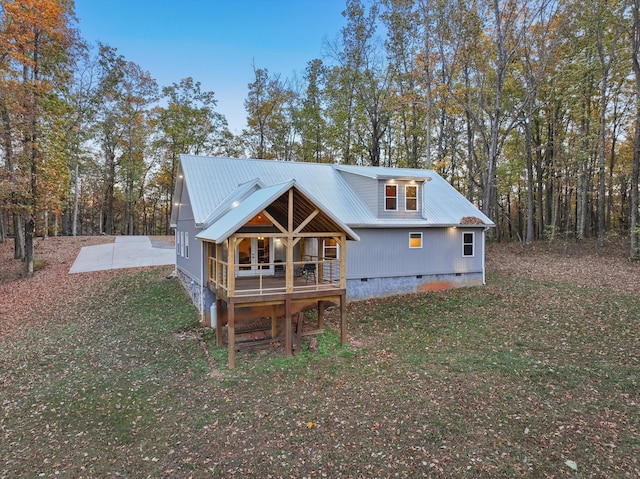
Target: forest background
[531, 108]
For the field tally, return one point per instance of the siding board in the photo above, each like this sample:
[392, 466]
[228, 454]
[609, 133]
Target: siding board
[385, 253]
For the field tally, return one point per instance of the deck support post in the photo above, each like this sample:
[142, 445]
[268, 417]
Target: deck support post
[343, 318]
[231, 332]
[287, 328]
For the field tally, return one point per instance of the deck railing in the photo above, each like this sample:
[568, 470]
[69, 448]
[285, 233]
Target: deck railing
[271, 278]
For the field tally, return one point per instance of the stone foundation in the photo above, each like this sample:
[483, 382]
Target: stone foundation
[359, 289]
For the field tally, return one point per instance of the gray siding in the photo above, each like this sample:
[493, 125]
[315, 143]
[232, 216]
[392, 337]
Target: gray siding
[385, 253]
[190, 266]
[365, 189]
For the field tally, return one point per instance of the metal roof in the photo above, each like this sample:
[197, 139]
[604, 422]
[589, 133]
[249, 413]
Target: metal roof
[235, 217]
[214, 184]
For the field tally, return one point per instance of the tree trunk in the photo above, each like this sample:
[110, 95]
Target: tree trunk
[18, 237]
[30, 228]
[634, 250]
[74, 227]
[530, 200]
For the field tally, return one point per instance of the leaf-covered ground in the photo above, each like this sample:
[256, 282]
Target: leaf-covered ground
[536, 374]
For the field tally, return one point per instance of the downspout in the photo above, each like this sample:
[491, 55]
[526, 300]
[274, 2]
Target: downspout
[175, 265]
[203, 258]
[484, 249]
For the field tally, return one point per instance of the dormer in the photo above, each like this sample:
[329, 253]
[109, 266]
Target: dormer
[400, 198]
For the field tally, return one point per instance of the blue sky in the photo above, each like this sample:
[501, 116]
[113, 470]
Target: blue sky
[215, 42]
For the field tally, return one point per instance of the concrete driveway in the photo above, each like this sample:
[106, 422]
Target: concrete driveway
[125, 252]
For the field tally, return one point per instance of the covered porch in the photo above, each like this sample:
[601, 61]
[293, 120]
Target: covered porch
[280, 255]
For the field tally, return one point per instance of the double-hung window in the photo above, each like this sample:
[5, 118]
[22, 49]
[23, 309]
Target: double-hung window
[468, 244]
[390, 197]
[411, 198]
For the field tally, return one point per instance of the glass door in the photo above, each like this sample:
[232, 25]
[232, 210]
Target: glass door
[253, 256]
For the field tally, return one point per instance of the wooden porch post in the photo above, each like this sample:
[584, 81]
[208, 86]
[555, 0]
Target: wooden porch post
[343, 261]
[231, 331]
[231, 269]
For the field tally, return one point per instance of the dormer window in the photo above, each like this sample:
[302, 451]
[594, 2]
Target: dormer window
[411, 198]
[390, 197]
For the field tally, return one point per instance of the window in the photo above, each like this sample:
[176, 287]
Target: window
[177, 242]
[415, 240]
[411, 198]
[186, 245]
[181, 243]
[330, 249]
[390, 197]
[467, 244]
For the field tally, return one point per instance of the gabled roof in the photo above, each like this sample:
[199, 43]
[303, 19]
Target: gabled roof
[214, 184]
[238, 215]
[234, 199]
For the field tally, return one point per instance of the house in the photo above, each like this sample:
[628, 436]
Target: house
[271, 239]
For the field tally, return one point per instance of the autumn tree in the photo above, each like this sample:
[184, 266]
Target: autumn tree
[310, 117]
[37, 41]
[269, 107]
[635, 177]
[188, 124]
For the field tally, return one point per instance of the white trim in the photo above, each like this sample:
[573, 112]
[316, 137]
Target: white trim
[473, 244]
[411, 234]
[385, 196]
[406, 197]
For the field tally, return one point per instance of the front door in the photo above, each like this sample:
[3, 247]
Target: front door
[253, 256]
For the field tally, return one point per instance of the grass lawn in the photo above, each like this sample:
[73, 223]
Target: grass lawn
[517, 378]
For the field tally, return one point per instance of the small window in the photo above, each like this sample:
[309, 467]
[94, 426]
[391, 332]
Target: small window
[390, 197]
[415, 240]
[181, 243]
[330, 249]
[467, 244]
[186, 245]
[177, 242]
[411, 198]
